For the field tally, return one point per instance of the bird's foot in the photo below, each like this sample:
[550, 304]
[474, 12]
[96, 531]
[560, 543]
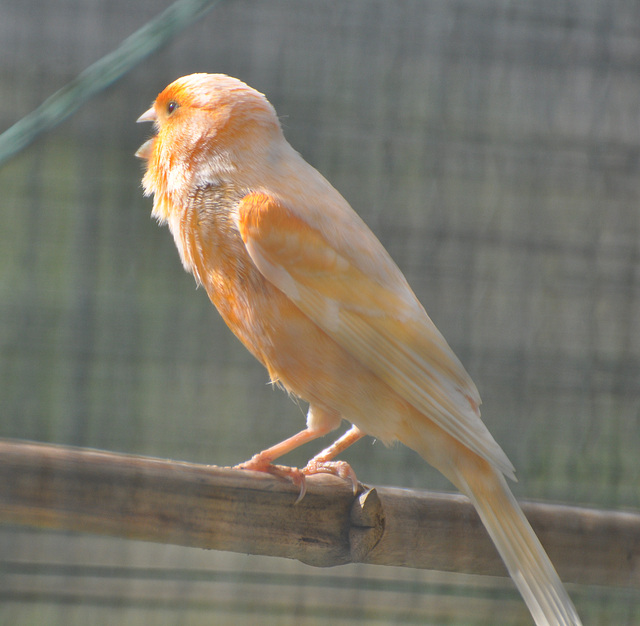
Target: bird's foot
[341, 469]
[259, 463]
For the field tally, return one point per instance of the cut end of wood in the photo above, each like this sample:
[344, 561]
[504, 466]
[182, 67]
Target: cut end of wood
[367, 525]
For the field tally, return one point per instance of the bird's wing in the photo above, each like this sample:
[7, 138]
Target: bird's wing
[383, 326]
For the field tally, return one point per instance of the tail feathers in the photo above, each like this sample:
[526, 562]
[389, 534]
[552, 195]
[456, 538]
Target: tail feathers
[520, 549]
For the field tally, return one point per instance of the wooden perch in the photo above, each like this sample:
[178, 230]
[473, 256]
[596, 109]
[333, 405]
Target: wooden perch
[240, 511]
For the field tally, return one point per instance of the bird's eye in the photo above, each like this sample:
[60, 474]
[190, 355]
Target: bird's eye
[172, 106]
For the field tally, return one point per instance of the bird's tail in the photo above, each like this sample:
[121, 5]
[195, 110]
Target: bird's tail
[520, 549]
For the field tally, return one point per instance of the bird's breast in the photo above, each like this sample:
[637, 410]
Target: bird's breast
[210, 245]
[295, 351]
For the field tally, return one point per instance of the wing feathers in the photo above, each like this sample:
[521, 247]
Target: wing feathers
[383, 326]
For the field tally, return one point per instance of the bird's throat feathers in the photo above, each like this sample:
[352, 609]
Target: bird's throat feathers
[211, 129]
[171, 176]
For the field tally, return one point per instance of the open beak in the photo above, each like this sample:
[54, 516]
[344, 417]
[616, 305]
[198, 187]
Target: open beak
[144, 151]
[148, 116]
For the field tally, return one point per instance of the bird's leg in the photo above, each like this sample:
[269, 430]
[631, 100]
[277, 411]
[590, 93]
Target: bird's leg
[319, 423]
[323, 462]
[262, 461]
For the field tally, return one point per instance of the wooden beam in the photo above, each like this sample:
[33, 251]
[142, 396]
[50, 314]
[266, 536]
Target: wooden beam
[240, 511]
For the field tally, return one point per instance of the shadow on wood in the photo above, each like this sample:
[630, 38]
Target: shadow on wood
[224, 509]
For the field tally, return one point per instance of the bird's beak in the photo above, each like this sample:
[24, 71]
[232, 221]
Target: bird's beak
[144, 151]
[148, 116]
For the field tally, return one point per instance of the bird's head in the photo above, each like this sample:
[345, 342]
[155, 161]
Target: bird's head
[204, 124]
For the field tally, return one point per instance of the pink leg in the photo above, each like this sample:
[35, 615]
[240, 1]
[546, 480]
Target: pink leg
[323, 462]
[263, 461]
[320, 464]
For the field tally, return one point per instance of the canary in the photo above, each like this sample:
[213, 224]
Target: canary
[315, 297]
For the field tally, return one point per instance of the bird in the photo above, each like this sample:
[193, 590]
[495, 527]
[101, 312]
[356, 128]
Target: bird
[311, 292]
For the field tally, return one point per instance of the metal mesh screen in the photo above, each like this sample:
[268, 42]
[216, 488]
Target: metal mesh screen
[494, 149]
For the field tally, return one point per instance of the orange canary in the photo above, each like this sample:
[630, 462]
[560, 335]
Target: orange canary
[315, 297]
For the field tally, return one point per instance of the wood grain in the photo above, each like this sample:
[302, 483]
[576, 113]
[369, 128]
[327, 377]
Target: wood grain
[234, 510]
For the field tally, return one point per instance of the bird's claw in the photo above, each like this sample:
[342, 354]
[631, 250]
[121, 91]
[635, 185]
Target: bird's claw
[341, 469]
[293, 474]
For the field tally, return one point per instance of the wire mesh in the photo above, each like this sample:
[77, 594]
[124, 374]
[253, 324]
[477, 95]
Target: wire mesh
[494, 149]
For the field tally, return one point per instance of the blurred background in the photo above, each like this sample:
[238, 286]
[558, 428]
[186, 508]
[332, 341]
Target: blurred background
[493, 147]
